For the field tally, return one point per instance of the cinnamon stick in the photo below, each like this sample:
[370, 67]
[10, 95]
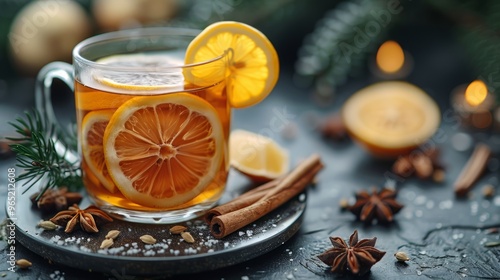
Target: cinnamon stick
[290, 186]
[472, 170]
[250, 197]
[241, 201]
[305, 167]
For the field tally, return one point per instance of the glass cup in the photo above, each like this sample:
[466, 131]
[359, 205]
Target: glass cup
[152, 131]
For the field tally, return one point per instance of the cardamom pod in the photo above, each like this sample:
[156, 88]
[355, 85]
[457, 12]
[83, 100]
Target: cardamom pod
[47, 225]
[344, 203]
[488, 191]
[23, 263]
[492, 244]
[177, 229]
[438, 176]
[401, 256]
[106, 243]
[148, 239]
[112, 234]
[187, 237]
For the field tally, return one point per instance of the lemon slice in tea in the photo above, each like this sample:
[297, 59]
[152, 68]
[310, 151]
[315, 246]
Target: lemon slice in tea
[253, 67]
[162, 151]
[148, 72]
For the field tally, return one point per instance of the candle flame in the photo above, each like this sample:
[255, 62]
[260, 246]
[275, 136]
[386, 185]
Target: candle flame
[390, 57]
[476, 93]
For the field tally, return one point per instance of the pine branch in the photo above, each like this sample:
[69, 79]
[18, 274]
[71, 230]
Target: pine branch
[42, 151]
[342, 40]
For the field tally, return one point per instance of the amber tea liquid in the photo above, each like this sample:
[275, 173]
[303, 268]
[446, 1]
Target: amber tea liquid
[100, 100]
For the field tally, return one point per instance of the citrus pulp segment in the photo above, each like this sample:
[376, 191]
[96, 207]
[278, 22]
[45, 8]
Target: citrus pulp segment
[253, 66]
[257, 156]
[391, 118]
[162, 151]
[93, 127]
[148, 72]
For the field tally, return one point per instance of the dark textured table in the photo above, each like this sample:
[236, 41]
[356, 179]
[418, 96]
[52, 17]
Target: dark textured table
[444, 236]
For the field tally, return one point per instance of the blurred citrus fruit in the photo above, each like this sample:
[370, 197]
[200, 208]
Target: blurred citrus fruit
[391, 118]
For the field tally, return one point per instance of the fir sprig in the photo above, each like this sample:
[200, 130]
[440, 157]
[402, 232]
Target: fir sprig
[330, 53]
[341, 41]
[44, 153]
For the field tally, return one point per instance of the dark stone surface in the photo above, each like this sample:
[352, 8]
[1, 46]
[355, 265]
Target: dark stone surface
[444, 236]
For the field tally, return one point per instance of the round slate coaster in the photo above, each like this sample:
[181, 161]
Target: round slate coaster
[169, 256]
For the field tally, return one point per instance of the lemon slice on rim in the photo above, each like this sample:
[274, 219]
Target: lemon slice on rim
[258, 157]
[253, 68]
[93, 127]
[162, 151]
[151, 72]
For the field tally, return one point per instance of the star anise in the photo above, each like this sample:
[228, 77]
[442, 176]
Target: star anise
[381, 205]
[421, 163]
[56, 199]
[357, 257]
[74, 215]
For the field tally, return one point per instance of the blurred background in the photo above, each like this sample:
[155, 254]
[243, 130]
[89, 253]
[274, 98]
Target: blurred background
[322, 44]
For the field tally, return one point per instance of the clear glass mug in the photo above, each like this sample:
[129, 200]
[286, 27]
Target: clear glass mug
[152, 131]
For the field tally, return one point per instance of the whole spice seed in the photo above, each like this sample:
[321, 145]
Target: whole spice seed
[23, 263]
[112, 234]
[106, 243]
[438, 176]
[401, 257]
[488, 191]
[492, 244]
[148, 239]
[177, 229]
[187, 237]
[344, 203]
[47, 225]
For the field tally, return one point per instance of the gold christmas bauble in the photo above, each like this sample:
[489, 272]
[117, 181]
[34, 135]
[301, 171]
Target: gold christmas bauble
[45, 31]
[113, 15]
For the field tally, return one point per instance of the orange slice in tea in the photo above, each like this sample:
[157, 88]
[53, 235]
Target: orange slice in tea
[391, 118]
[253, 63]
[162, 151]
[150, 72]
[93, 127]
[258, 157]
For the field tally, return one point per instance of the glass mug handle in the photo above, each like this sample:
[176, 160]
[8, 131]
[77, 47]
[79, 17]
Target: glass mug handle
[64, 72]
